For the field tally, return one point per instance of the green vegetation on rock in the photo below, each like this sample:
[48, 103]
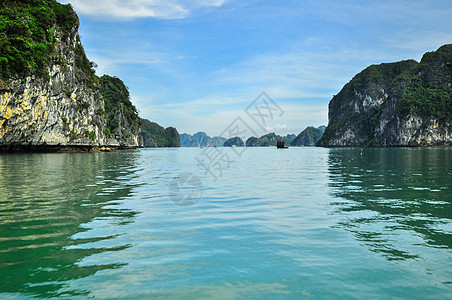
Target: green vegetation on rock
[308, 137]
[27, 35]
[41, 51]
[395, 104]
[427, 88]
[268, 140]
[154, 135]
[116, 95]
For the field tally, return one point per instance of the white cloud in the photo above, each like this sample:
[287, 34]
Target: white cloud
[281, 126]
[134, 9]
[312, 67]
[301, 82]
[215, 117]
[418, 42]
[110, 61]
[299, 73]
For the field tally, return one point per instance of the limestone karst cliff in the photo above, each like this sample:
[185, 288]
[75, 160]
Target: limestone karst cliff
[395, 104]
[50, 97]
[153, 135]
[201, 139]
[308, 137]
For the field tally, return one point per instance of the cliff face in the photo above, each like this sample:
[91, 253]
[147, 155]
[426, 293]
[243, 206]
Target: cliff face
[63, 103]
[153, 135]
[200, 139]
[308, 137]
[397, 104]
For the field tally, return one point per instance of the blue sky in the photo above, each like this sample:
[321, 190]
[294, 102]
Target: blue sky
[196, 65]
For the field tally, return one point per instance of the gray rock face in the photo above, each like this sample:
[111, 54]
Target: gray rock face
[63, 109]
[308, 137]
[200, 139]
[397, 104]
[153, 135]
[147, 141]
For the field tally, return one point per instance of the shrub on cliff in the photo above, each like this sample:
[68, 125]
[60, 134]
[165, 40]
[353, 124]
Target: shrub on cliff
[168, 137]
[116, 94]
[27, 40]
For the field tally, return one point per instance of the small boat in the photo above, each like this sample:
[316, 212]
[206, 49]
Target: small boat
[281, 145]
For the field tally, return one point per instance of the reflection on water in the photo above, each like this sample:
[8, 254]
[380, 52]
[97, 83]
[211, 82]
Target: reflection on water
[302, 223]
[395, 201]
[46, 200]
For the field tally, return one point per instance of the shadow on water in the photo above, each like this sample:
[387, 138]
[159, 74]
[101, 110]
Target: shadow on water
[395, 201]
[46, 200]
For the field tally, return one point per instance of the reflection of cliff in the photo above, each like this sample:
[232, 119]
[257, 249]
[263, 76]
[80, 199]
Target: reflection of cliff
[47, 204]
[393, 193]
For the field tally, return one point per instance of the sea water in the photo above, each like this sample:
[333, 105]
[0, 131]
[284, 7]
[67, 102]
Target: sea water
[310, 223]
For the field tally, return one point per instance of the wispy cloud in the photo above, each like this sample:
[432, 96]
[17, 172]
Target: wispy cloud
[133, 9]
[214, 115]
[300, 81]
[416, 43]
[299, 73]
[111, 61]
[198, 74]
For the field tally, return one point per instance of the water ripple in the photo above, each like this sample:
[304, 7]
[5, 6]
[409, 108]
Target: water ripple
[299, 223]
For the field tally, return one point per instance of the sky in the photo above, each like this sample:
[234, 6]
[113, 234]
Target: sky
[198, 64]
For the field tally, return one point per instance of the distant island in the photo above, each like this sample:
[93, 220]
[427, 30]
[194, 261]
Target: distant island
[395, 104]
[153, 135]
[269, 139]
[307, 137]
[51, 99]
[234, 142]
[200, 139]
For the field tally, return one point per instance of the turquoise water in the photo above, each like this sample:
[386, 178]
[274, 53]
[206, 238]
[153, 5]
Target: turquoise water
[296, 223]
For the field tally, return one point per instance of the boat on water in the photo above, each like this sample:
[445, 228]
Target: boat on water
[281, 145]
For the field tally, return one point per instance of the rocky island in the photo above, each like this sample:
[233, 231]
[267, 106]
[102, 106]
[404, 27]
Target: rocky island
[269, 140]
[50, 96]
[201, 139]
[153, 135]
[308, 137]
[395, 104]
[234, 142]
